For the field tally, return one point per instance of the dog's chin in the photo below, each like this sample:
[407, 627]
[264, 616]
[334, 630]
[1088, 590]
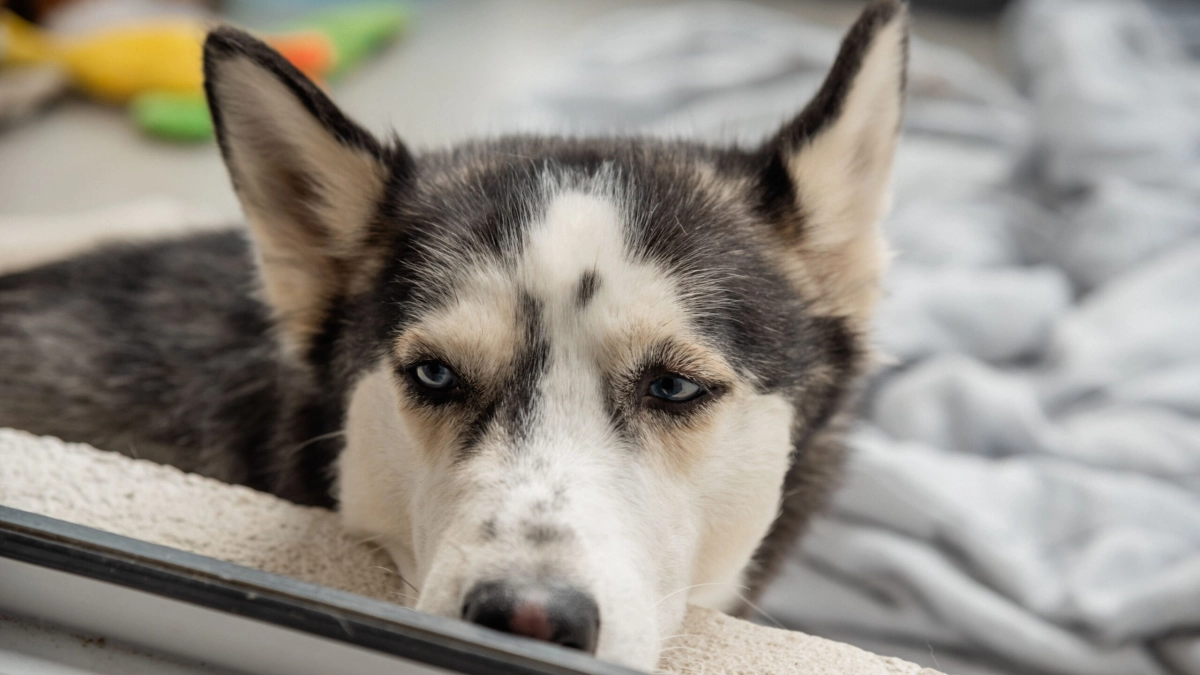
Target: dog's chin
[631, 636]
[639, 640]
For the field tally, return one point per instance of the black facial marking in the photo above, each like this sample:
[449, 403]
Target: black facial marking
[529, 366]
[487, 532]
[540, 534]
[477, 425]
[588, 284]
[777, 198]
[512, 403]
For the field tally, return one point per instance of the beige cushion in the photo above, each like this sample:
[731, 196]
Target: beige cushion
[164, 505]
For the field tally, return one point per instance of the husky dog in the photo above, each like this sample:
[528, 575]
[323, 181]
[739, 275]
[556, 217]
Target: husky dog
[569, 384]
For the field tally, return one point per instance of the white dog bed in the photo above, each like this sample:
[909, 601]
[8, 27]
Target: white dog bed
[163, 505]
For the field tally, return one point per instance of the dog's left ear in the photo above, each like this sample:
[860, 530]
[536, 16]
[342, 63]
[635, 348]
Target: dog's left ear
[310, 180]
[827, 176]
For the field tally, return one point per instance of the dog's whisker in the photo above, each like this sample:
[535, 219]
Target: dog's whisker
[405, 597]
[399, 576]
[681, 648]
[678, 635]
[764, 613]
[688, 588]
[318, 439]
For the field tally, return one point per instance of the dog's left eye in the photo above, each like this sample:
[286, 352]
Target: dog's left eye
[435, 375]
[676, 389]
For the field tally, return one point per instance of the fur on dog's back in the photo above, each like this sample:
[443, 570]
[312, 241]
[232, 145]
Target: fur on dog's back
[160, 351]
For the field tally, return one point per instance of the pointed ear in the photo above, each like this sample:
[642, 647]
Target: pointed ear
[827, 176]
[310, 180]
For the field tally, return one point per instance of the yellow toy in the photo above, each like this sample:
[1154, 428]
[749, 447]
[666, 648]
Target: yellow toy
[116, 64]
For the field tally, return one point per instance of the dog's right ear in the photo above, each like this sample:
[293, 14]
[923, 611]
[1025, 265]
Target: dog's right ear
[826, 181]
[310, 180]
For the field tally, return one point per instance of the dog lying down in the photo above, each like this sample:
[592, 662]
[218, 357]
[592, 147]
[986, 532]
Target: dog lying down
[570, 385]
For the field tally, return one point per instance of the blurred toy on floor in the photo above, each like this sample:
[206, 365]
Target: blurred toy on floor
[152, 63]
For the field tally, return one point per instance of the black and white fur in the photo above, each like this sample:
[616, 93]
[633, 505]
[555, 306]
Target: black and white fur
[557, 277]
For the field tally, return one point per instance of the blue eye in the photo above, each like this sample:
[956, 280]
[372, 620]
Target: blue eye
[435, 375]
[675, 389]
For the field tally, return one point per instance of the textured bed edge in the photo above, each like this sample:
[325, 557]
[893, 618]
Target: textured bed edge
[163, 505]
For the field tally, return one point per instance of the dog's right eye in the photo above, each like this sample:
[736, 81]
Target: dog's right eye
[675, 389]
[434, 375]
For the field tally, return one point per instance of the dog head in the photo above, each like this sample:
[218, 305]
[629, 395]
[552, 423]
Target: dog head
[581, 377]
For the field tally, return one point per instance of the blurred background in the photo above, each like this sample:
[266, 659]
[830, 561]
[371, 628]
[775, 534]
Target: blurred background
[1024, 490]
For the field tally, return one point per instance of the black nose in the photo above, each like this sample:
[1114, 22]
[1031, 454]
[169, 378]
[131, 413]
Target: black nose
[549, 611]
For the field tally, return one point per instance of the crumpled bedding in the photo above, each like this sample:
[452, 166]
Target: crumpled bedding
[1024, 489]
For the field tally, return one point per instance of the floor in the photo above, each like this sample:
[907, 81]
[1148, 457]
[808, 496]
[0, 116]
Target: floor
[33, 647]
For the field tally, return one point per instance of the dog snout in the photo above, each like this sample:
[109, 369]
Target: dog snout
[554, 612]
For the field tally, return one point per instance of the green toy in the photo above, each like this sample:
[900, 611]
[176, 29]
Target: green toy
[177, 117]
[355, 32]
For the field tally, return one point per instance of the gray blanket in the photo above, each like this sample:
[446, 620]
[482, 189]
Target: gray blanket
[1024, 493]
